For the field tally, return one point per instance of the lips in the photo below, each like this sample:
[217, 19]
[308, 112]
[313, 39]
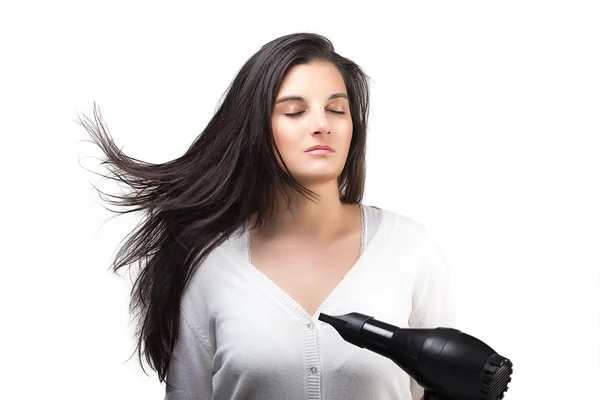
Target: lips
[320, 147]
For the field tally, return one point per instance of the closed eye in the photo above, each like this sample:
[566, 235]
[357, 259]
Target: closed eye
[301, 112]
[294, 114]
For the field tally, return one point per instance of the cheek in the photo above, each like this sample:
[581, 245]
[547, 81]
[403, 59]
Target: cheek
[342, 124]
[344, 130]
[286, 136]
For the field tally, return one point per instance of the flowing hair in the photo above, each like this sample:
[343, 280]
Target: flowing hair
[228, 174]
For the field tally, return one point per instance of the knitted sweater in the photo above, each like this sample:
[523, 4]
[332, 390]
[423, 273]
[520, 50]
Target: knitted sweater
[242, 337]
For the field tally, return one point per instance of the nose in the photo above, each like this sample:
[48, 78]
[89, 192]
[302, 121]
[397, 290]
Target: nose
[320, 122]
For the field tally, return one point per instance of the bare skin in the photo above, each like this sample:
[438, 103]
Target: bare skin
[308, 270]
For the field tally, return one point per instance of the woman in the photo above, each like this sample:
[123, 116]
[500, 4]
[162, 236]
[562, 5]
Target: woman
[259, 227]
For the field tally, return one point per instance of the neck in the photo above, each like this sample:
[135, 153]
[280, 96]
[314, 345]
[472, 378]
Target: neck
[323, 219]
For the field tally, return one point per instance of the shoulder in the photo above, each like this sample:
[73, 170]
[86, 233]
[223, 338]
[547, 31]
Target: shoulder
[401, 225]
[406, 237]
[220, 268]
[206, 277]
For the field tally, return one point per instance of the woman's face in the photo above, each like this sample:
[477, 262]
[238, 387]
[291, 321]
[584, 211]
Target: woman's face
[312, 109]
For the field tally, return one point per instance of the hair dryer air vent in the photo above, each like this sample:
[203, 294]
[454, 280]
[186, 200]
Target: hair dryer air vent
[495, 376]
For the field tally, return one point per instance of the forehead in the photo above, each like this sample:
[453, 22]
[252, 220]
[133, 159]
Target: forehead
[317, 79]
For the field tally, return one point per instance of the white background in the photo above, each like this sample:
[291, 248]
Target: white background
[485, 128]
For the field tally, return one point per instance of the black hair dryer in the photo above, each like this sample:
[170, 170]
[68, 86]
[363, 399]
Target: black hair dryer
[447, 363]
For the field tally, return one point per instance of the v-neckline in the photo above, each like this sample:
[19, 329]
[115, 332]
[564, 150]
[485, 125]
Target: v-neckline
[333, 298]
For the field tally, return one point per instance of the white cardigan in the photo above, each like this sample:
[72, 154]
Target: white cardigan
[242, 337]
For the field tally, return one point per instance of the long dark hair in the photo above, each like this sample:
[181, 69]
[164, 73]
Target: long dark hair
[229, 174]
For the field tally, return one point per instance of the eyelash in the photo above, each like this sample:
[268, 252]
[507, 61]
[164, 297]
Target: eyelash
[300, 112]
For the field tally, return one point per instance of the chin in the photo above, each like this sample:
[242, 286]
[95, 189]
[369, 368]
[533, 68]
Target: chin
[317, 179]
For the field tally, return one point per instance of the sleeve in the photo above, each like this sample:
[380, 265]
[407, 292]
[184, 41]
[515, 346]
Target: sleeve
[189, 376]
[433, 297]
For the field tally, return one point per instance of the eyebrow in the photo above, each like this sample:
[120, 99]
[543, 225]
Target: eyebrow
[298, 98]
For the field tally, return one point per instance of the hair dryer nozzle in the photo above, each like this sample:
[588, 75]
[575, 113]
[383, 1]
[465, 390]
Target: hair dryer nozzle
[348, 326]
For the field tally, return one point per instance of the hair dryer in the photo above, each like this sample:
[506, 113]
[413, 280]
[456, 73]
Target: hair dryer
[447, 363]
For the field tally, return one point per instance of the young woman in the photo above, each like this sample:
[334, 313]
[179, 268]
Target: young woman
[259, 227]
